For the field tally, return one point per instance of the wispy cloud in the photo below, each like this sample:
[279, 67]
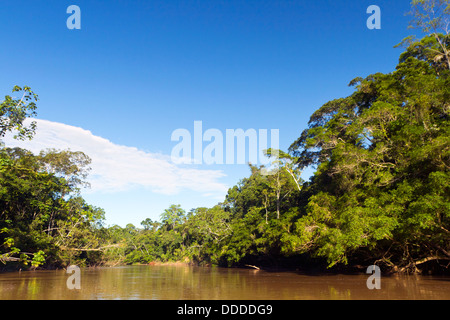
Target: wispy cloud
[117, 167]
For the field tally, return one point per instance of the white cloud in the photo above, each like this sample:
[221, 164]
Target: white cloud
[117, 167]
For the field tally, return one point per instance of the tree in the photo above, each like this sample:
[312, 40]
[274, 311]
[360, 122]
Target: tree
[433, 18]
[70, 165]
[14, 111]
[41, 212]
[280, 180]
[149, 224]
[172, 217]
[207, 230]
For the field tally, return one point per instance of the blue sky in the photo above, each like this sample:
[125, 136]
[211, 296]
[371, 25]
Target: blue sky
[138, 70]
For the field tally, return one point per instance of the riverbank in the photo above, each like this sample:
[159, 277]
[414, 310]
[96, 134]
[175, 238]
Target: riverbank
[300, 266]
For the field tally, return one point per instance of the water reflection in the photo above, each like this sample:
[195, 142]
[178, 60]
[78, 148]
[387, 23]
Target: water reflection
[197, 283]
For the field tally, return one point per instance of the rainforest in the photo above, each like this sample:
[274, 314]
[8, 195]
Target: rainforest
[380, 194]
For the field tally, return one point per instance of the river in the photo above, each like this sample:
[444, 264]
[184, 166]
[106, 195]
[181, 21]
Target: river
[180, 282]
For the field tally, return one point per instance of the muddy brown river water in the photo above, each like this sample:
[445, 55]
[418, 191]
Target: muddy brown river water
[202, 283]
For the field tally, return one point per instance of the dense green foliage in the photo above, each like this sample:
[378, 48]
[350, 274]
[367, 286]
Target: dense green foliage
[383, 157]
[380, 194]
[41, 214]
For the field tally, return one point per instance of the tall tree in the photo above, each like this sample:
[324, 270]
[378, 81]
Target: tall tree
[433, 18]
[14, 111]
